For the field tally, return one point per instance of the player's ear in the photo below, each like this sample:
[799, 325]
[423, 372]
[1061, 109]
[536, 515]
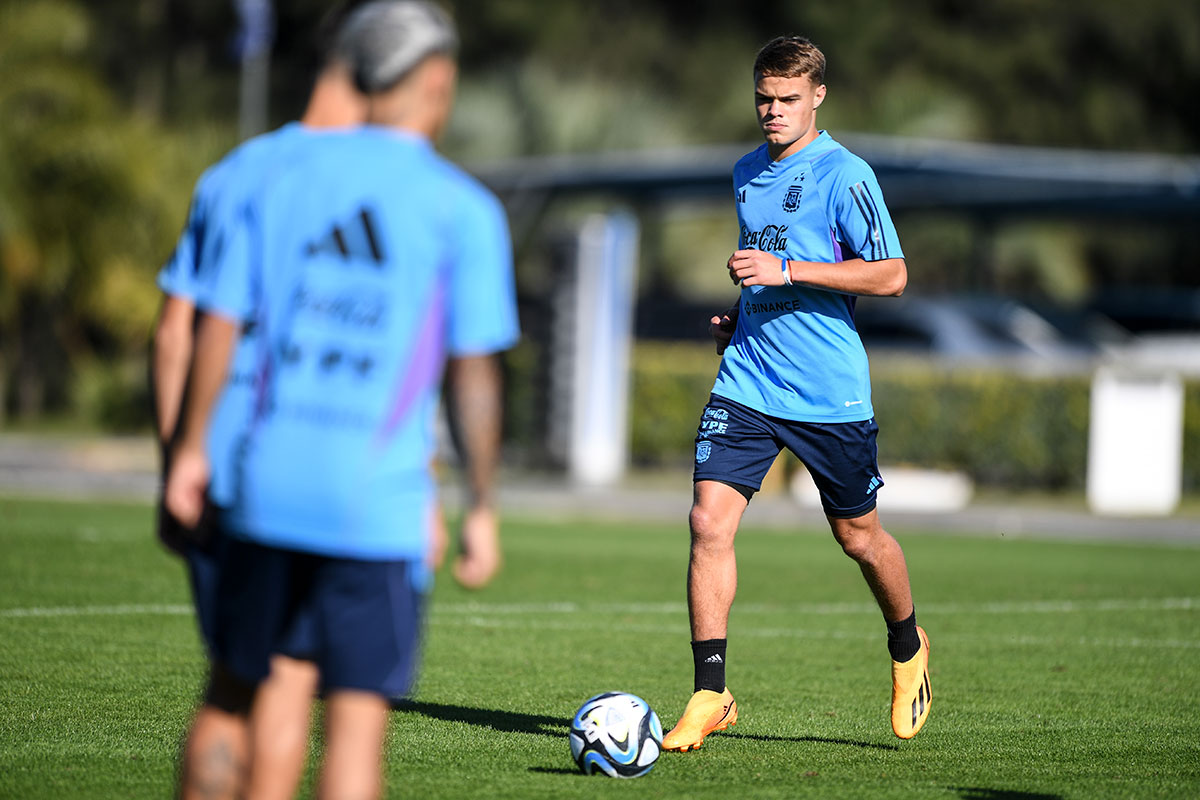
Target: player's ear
[818, 96]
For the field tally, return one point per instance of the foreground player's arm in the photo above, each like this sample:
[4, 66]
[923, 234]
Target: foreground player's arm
[187, 478]
[169, 366]
[886, 277]
[475, 400]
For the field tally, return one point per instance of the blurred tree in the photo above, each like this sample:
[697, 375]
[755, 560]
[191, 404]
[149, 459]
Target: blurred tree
[90, 198]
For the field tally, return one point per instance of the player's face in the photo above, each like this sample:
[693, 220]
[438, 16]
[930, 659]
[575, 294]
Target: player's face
[787, 112]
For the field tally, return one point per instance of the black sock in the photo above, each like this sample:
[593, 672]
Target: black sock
[903, 641]
[709, 659]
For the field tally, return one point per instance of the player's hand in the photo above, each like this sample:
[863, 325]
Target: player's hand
[479, 559]
[170, 532]
[722, 326]
[755, 268]
[187, 481]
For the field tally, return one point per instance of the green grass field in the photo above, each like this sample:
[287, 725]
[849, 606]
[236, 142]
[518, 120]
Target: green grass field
[1059, 669]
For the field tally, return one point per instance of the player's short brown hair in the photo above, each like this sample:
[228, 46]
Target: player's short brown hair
[790, 57]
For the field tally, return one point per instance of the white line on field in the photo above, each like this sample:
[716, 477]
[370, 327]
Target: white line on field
[594, 616]
[825, 609]
[89, 611]
[481, 610]
[792, 633]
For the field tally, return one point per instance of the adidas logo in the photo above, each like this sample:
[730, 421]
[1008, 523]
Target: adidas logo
[924, 698]
[357, 239]
[715, 658]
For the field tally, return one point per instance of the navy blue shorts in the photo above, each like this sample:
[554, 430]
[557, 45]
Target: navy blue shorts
[204, 569]
[358, 621]
[737, 445]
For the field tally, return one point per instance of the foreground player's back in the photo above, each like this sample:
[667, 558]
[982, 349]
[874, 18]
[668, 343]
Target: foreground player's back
[367, 258]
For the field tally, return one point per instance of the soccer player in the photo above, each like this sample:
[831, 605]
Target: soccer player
[814, 234]
[363, 260]
[215, 751]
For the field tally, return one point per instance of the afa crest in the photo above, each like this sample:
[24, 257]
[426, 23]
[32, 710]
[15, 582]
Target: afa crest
[791, 201]
[703, 451]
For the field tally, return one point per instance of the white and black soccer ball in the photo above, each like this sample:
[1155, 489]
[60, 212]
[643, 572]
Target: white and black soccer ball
[616, 733]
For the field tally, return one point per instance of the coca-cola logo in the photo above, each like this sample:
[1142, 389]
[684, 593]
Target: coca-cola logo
[770, 238]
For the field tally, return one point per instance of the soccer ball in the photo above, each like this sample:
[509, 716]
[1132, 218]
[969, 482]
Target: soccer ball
[615, 733]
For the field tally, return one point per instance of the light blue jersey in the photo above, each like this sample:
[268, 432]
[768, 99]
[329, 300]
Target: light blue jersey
[363, 262]
[220, 194]
[796, 353]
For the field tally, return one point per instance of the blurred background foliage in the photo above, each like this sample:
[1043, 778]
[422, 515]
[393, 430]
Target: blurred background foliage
[110, 109]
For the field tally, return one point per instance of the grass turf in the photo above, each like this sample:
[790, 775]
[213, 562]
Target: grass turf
[1059, 669]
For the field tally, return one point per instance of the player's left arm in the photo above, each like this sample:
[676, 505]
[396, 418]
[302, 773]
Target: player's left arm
[856, 209]
[885, 277]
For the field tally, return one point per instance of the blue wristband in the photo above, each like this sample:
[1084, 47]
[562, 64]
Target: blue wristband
[787, 273]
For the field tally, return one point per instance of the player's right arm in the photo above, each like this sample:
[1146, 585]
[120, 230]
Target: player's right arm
[188, 474]
[169, 365]
[226, 296]
[171, 350]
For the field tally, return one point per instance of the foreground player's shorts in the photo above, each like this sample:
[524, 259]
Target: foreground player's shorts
[358, 621]
[203, 557]
[736, 445]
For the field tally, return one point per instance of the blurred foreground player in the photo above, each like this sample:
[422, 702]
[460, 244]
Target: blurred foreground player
[364, 260]
[814, 234]
[215, 752]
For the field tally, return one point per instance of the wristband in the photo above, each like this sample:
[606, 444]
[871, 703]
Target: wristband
[787, 273]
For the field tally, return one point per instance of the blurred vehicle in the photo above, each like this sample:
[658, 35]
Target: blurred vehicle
[986, 330]
[1150, 309]
[1165, 322]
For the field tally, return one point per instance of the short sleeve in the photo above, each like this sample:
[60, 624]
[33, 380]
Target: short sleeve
[179, 275]
[863, 221]
[482, 312]
[229, 283]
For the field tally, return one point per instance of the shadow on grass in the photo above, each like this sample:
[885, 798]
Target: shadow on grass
[557, 771]
[980, 793]
[756, 737]
[497, 720]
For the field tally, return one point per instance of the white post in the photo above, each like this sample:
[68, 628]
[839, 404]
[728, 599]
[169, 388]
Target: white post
[1135, 444]
[605, 292]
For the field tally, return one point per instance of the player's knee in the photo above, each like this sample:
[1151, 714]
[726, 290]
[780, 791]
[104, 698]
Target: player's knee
[857, 541]
[856, 547]
[708, 528]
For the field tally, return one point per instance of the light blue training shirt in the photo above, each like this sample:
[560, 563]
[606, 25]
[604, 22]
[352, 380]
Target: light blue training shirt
[363, 261]
[795, 353]
[219, 195]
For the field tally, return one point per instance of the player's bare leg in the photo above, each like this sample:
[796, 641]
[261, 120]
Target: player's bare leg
[712, 565]
[712, 584]
[279, 724]
[355, 725]
[881, 560]
[216, 754]
[882, 563]
[214, 758]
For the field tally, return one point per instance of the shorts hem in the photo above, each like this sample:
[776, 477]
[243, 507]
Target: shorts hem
[853, 513]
